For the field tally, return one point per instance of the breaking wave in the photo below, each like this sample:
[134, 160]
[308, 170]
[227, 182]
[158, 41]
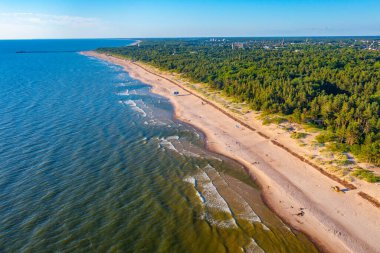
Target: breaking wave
[132, 104]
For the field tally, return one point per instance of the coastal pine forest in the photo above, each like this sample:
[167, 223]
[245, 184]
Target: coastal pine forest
[331, 83]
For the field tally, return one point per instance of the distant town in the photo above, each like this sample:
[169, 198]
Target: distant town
[365, 43]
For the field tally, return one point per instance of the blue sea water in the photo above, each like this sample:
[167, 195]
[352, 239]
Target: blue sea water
[92, 161]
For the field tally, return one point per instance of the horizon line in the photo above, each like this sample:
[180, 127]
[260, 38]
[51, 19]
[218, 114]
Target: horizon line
[198, 37]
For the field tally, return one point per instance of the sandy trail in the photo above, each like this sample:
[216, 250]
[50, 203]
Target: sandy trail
[337, 222]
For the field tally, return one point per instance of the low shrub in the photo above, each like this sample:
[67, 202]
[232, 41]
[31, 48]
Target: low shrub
[366, 175]
[274, 120]
[325, 137]
[298, 135]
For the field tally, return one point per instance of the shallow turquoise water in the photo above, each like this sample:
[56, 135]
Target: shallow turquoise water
[91, 161]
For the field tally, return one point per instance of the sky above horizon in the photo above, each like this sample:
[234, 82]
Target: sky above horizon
[26, 19]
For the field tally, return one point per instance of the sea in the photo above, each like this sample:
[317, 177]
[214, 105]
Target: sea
[92, 161]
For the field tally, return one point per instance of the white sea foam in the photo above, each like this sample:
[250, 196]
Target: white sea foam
[174, 137]
[121, 76]
[134, 107]
[130, 103]
[212, 197]
[230, 223]
[123, 93]
[288, 228]
[190, 180]
[167, 144]
[200, 196]
[216, 158]
[252, 247]
[113, 67]
[212, 200]
[245, 211]
[249, 215]
[139, 110]
[193, 181]
[153, 122]
[190, 154]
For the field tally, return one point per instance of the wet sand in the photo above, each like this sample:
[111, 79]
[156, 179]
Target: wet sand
[297, 192]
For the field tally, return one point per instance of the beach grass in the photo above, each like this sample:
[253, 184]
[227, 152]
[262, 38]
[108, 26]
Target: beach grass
[366, 175]
[298, 135]
[273, 119]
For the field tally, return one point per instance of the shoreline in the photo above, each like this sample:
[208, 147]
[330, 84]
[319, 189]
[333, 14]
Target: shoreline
[135, 43]
[332, 221]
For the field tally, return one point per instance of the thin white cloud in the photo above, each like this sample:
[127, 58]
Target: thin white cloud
[37, 25]
[38, 18]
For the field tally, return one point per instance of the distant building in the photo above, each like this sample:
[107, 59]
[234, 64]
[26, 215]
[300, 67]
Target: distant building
[238, 45]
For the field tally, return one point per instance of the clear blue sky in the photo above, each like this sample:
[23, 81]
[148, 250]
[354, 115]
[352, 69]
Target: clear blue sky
[149, 18]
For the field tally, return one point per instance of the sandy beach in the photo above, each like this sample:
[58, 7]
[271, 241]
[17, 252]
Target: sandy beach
[294, 189]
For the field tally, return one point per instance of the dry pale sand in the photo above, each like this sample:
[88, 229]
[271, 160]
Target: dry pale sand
[336, 222]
